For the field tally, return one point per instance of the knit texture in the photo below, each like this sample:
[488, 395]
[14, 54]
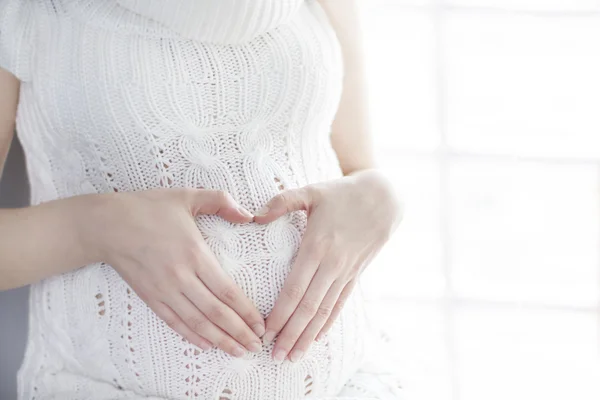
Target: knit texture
[130, 95]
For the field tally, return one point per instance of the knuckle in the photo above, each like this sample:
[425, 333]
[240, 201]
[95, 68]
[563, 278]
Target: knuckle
[338, 268]
[216, 313]
[294, 292]
[170, 268]
[196, 323]
[179, 273]
[175, 271]
[252, 318]
[308, 307]
[285, 200]
[339, 305]
[190, 253]
[324, 311]
[161, 290]
[335, 238]
[242, 336]
[171, 323]
[322, 243]
[222, 196]
[229, 295]
[282, 198]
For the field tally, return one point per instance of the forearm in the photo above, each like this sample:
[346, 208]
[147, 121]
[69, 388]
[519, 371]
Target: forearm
[41, 241]
[351, 132]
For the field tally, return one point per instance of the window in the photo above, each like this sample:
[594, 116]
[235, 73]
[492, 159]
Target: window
[487, 117]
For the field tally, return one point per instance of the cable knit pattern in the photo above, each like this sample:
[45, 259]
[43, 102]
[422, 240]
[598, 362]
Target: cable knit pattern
[129, 95]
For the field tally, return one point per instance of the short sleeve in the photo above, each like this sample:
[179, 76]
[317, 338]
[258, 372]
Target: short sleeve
[16, 37]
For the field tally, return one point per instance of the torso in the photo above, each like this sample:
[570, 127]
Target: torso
[120, 103]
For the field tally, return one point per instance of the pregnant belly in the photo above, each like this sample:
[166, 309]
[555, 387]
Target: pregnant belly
[99, 331]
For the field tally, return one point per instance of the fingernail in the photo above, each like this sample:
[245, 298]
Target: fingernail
[262, 212]
[239, 352]
[319, 337]
[296, 355]
[245, 212]
[255, 347]
[259, 329]
[279, 355]
[268, 337]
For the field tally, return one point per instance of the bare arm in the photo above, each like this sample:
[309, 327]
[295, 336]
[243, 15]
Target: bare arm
[349, 219]
[149, 237]
[351, 131]
[35, 242]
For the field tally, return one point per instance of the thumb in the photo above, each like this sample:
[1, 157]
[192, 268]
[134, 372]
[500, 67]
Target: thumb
[220, 203]
[284, 203]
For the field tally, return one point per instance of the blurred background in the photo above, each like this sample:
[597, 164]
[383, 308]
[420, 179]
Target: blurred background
[487, 117]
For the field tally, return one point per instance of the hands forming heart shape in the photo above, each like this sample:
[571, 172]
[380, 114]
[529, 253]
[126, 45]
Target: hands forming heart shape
[173, 270]
[349, 221]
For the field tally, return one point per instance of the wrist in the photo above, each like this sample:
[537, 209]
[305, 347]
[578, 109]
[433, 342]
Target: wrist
[90, 219]
[378, 185]
[373, 180]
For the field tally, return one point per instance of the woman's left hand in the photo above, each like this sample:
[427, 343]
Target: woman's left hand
[349, 220]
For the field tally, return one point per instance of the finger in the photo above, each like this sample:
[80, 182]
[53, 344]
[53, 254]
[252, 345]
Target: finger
[314, 326]
[308, 308]
[200, 324]
[222, 315]
[284, 203]
[297, 282]
[167, 314]
[337, 308]
[224, 288]
[220, 203]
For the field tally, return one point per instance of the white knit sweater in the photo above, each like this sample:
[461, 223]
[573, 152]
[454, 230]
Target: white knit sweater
[128, 95]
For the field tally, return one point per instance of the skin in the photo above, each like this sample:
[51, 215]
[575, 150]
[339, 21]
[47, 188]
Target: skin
[349, 219]
[172, 269]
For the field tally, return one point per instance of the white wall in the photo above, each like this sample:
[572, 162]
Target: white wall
[487, 116]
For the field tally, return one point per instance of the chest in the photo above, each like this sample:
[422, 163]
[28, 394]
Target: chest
[216, 21]
[130, 111]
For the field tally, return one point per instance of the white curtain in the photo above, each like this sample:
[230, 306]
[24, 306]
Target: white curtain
[487, 116]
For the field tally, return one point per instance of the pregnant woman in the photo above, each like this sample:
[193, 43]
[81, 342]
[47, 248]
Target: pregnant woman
[203, 198]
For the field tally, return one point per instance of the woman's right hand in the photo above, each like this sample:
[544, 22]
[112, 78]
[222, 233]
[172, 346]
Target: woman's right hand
[152, 240]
